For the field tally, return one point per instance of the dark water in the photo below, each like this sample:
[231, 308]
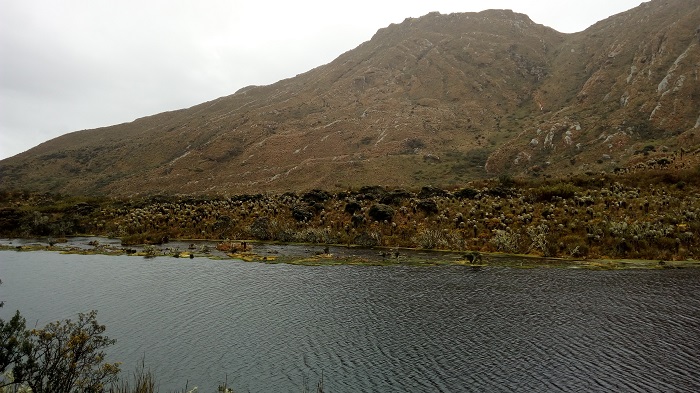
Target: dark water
[270, 328]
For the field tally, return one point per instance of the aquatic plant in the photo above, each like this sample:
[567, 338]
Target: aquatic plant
[142, 381]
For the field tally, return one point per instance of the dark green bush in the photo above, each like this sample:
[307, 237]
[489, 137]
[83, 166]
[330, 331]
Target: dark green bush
[427, 206]
[395, 197]
[316, 196]
[302, 213]
[381, 212]
[260, 229]
[545, 193]
[352, 207]
[466, 193]
[372, 193]
[430, 191]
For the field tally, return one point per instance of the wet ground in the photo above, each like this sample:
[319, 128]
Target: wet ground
[314, 254]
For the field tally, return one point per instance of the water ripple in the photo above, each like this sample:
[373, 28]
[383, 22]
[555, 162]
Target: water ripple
[274, 328]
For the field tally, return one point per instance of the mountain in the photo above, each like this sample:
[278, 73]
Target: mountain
[440, 99]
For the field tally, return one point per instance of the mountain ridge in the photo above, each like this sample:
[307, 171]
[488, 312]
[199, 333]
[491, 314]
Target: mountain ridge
[440, 99]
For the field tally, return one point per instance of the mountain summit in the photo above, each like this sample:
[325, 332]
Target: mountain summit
[440, 99]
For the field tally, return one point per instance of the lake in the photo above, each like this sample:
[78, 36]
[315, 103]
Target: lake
[276, 328]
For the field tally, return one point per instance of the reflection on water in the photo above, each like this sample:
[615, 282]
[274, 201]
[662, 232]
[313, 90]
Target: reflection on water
[374, 329]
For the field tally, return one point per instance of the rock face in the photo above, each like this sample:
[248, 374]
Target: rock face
[440, 99]
[625, 82]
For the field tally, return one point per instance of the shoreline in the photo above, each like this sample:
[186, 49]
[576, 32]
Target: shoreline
[307, 254]
[584, 218]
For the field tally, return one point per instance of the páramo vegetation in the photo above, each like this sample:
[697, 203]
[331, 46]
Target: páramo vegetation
[650, 215]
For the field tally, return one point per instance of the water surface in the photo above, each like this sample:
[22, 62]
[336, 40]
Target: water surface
[270, 328]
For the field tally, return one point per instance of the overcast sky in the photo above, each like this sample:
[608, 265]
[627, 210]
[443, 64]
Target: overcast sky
[70, 65]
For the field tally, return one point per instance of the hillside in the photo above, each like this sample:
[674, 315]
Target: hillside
[441, 99]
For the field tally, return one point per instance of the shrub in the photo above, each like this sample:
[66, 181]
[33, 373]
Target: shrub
[357, 220]
[506, 181]
[302, 213]
[316, 196]
[466, 193]
[414, 143]
[315, 235]
[395, 197]
[352, 207]
[381, 212]
[499, 191]
[260, 228]
[538, 235]
[368, 239]
[66, 357]
[545, 193]
[505, 240]
[281, 231]
[223, 224]
[618, 228]
[574, 246]
[372, 192]
[431, 238]
[145, 238]
[13, 336]
[430, 191]
[428, 206]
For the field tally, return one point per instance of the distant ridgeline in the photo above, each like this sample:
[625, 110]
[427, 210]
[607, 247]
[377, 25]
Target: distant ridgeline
[441, 99]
